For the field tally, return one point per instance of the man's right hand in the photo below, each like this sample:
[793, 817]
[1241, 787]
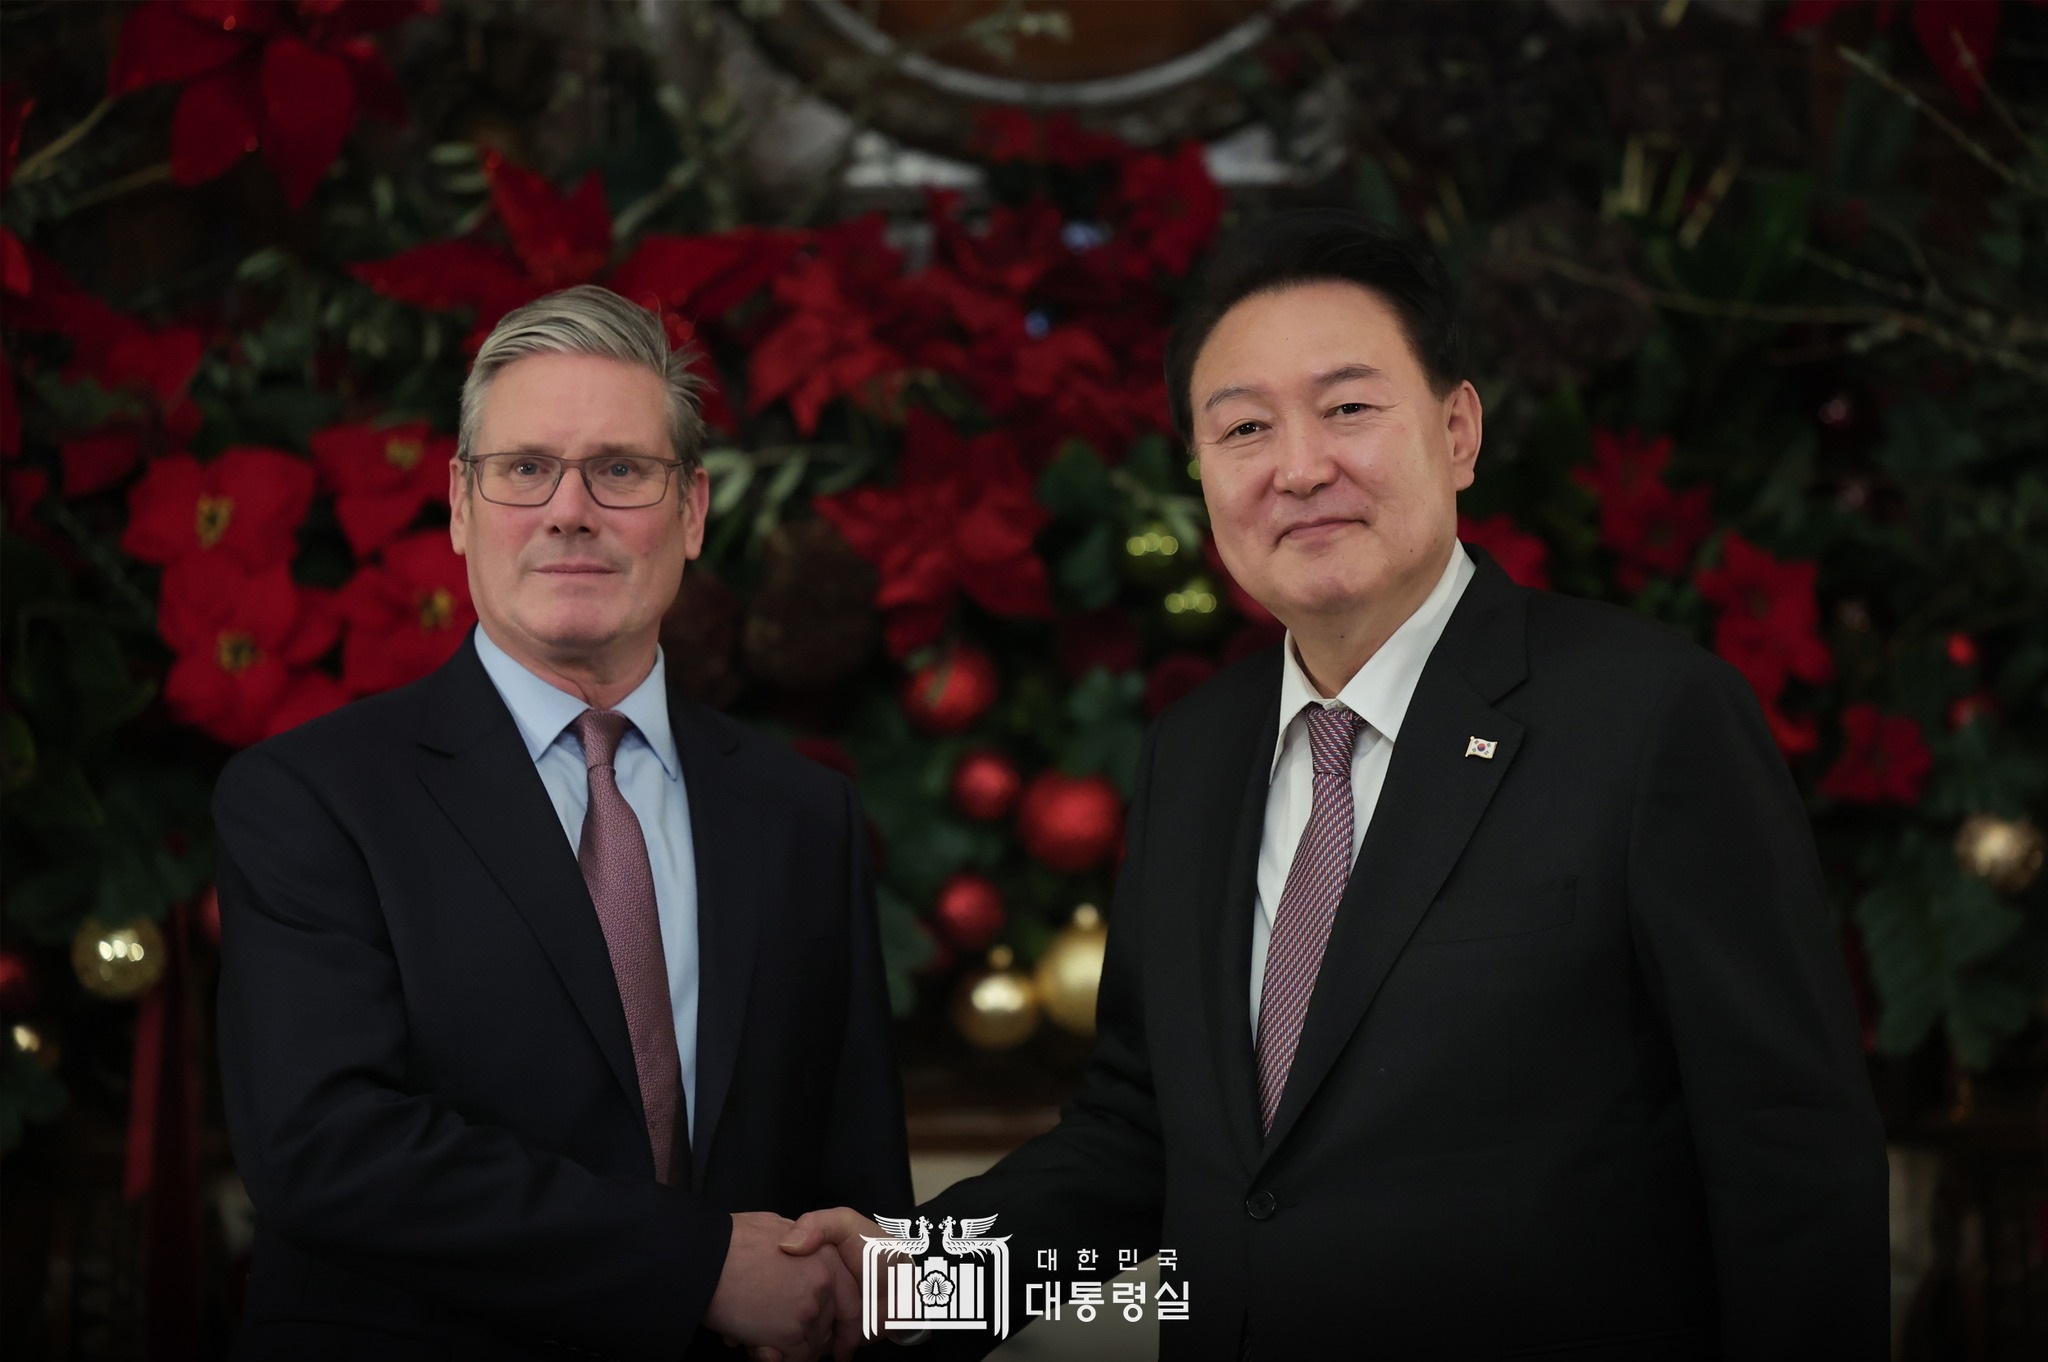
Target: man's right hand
[781, 1302]
[840, 1228]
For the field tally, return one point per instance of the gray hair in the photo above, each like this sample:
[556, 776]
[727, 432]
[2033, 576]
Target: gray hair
[589, 320]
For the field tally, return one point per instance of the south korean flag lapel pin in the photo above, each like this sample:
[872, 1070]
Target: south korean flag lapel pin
[1482, 748]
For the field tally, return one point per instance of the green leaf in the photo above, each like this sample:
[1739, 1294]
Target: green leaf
[58, 800]
[1087, 571]
[49, 904]
[1075, 486]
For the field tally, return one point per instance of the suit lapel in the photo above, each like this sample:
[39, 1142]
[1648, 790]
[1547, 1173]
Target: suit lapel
[723, 825]
[1225, 921]
[476, 768]
[1433, 799]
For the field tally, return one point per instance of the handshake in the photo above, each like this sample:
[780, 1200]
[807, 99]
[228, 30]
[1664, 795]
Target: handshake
[791, 1289]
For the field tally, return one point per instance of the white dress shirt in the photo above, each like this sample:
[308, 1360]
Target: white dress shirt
[1379, 694]
[650, 776]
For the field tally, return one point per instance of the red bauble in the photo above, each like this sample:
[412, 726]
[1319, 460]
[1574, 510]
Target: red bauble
[950, 694]
[209, 914]
[1962, 650]
[19, 987]
[969, 911]
[985, 785]
[1070, 823]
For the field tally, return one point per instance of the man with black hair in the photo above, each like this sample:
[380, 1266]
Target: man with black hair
[1470, 987]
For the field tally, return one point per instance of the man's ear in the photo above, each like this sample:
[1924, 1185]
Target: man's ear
[695, 495]
[1464, 426]
[458, 503]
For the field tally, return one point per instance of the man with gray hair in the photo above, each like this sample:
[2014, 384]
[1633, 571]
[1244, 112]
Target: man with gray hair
[544, 995]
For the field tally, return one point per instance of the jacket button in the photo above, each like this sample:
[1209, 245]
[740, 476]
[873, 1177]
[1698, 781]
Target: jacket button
[1260, 1205]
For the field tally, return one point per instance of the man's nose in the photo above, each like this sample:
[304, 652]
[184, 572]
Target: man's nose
[572, 509]
[1306, 461]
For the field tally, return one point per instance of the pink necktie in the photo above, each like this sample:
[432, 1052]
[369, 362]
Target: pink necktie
[1308, 905]
[613, 854]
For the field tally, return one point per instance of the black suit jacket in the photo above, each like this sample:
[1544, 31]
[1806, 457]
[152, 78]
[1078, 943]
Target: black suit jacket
[430, 1089]
[1579, 1078]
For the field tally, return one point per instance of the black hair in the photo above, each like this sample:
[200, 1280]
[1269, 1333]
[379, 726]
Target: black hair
[1318, 245]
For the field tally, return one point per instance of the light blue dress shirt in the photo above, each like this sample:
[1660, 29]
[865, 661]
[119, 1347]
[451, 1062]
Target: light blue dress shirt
[650, 776]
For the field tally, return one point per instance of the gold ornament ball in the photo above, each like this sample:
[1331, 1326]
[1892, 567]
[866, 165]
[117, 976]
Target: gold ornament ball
[1193, 612]
[1070, 972]
[996, 1008]
[1154, 555]
[2003, 852]
[118, 963]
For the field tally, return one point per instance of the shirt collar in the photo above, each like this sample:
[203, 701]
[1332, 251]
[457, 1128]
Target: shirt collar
[1382, 688]
[542, 712]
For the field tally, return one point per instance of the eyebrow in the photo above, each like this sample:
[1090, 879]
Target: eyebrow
[1342, 374]
[604, 451]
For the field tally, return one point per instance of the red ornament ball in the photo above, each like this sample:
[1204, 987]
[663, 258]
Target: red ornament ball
[19, 987]
[1962, 650]
[969, 911]
[950, 694]
[985, 785]
[1070, 823]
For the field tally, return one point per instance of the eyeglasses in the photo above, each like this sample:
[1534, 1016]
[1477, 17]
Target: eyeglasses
[618, 481]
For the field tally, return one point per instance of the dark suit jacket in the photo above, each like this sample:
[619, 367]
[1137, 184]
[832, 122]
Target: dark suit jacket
[1580, 1076]
[430, 1089]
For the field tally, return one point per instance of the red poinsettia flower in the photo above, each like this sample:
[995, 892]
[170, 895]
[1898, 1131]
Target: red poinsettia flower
[149, 369]
[1884, 758]
[825, 347]
[247, 504]
[288, 78]
[556, 240]
[238, 634]
[1167, 209]
[960, 520]
[1652, 530]
[1768, 628]
[382, 477]
[406, 614]
[1520, 555]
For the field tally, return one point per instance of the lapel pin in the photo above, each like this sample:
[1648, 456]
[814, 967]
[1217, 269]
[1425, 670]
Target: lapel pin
[1480, 747]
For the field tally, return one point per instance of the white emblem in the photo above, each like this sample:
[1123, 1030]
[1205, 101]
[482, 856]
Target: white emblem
[1480, 747]
[903, 1287]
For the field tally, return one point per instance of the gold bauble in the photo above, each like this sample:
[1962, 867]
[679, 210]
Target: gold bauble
[1193, 612]
[118, 963]
[2003, 852]
[1070, 972]
[996, 1008]
[38, 1042]
[1154, 556]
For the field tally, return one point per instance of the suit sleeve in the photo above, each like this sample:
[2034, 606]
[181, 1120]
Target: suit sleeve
[867, 1159]
[346, 1159]
[1099, 1175]
[1741, 960]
